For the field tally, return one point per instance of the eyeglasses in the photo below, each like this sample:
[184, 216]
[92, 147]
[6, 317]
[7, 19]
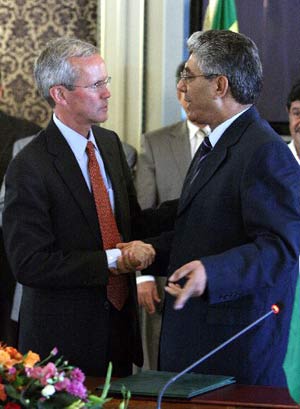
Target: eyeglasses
[96, 86]
[186, 77]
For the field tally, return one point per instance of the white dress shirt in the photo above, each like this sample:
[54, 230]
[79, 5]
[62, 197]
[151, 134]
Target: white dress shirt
[292, 147]
[78, 144]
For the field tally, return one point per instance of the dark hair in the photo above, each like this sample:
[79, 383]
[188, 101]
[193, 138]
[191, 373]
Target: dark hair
[223, 52]
[294, 94]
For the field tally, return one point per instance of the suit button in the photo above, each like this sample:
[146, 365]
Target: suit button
[106, 305]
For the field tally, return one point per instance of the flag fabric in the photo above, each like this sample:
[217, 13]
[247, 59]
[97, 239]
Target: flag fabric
[291, 363]
[221, 15]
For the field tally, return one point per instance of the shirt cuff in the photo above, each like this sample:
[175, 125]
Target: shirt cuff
[142, 279]
[112, 257]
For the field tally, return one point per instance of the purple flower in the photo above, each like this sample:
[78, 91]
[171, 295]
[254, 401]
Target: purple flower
[78, 375]
[77, 389]
[12, 370]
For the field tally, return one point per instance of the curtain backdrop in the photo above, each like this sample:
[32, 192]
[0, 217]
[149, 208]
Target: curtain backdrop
[25, 27]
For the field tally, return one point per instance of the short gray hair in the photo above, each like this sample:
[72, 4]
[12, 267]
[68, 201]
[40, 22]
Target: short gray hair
[53, 67]
[233, 55]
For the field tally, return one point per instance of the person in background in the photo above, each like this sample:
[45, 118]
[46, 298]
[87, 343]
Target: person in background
[235, 245]
[11, 129]
[69, 200]
[162, 165]
[293, 108]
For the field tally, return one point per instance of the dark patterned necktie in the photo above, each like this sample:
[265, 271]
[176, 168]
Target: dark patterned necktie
[204, 149]
[117, 287]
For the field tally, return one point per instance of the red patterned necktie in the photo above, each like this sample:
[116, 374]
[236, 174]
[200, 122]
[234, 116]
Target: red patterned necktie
[117, 287]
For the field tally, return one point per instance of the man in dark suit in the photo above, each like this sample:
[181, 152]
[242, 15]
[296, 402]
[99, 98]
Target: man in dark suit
[11, 130]
[166, 154]
[235, 246]
[12, 313]
[56, 233]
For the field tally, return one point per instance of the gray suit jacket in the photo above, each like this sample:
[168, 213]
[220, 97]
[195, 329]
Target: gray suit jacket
[162, 164]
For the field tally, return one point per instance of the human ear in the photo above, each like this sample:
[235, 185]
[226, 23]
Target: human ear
[222, 85]
[57, 94]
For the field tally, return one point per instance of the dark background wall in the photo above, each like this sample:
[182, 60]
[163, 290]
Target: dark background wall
[274, 25]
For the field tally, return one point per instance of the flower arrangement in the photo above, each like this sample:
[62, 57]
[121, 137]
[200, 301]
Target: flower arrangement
[27, 382]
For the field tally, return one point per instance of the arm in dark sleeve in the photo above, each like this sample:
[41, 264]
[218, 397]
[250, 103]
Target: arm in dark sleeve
[37, 256]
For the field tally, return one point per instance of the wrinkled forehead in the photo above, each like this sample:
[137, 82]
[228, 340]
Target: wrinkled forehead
[93, 64]
[192, 64]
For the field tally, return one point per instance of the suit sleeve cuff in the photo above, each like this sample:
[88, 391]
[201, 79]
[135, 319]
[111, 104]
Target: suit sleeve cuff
[142, 279]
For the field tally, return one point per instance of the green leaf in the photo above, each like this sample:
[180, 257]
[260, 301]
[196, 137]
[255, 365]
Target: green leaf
[11, 392]
[107, 381]
[126, 397]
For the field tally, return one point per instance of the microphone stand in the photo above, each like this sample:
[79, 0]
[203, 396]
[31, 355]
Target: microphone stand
[274, 310]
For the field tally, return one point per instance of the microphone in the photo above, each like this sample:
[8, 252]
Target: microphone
[275, 309]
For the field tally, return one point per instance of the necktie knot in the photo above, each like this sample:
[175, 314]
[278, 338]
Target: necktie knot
[197, 140]
[205, 147]
[90, 148]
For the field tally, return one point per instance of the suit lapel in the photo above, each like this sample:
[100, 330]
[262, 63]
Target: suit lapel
[70, 172]
[213, 161]
[180, 147]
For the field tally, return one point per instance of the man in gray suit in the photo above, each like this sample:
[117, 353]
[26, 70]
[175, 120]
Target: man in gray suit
[162, 165]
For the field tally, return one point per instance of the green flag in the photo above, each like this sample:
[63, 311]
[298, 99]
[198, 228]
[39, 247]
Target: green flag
[291, 363]
[221, 15]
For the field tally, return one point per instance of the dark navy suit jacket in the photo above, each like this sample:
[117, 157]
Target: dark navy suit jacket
[242, 220]
[54, 245]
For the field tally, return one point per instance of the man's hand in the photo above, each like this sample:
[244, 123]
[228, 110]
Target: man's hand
[125, 265]
[148, 295]
[136, 253]
[194, 287]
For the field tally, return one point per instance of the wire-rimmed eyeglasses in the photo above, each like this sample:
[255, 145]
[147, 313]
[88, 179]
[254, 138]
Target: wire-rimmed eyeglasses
[96, 86]
[186, 77]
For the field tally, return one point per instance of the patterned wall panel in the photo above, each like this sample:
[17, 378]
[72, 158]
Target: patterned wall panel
[25, 27]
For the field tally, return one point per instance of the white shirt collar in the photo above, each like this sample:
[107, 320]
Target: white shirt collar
[292, 147]
[76, 141]
[193, 129]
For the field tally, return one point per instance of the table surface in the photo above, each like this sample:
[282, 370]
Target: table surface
[229, 397]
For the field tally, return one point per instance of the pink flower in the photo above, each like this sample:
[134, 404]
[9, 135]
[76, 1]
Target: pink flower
[49, 371]
[35, 372]
[42, 373]
[62, 385]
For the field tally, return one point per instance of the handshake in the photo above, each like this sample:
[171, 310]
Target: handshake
[136, 255]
